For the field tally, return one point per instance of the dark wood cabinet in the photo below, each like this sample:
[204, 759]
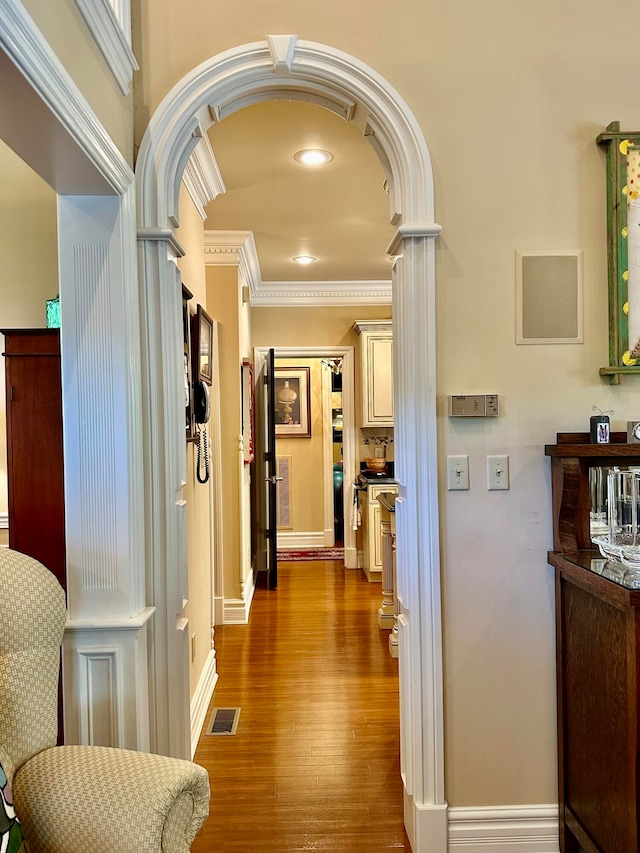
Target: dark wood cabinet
[598, 661]
[34, 446]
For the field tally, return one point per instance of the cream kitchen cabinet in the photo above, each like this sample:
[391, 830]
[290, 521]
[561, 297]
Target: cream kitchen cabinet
[376, 371]
[371, 512]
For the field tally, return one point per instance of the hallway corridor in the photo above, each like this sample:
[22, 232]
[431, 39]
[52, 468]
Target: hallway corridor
[314, 765]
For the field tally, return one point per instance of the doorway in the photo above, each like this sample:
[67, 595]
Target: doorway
[336, 80]
[349, 439]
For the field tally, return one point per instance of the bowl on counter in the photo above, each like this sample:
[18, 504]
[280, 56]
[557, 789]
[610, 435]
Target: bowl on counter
[376, 464]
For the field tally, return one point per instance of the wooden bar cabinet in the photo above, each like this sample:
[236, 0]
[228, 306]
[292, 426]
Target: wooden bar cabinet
[598, 660]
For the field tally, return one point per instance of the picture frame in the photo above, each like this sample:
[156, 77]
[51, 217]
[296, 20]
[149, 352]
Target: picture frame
[248, 417]
[203, 346]
[188, 363]
[292, 391]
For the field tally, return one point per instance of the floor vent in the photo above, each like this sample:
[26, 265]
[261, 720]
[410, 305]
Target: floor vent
[224, 721]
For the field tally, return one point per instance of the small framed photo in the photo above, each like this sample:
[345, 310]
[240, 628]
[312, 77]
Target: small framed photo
[203, 346]
[248, 420]
[293, 402]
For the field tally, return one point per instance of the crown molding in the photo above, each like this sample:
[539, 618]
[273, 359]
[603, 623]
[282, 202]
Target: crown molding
[306, 293]
[58, 94]
[202, 176]
[112, 37]
[234, 248]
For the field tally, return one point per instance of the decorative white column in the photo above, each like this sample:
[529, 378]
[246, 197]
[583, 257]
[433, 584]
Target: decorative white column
[165, 465]
[105, 673]
[417, 557]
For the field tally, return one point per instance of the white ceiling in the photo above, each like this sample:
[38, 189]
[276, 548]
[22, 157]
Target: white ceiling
[339, 212]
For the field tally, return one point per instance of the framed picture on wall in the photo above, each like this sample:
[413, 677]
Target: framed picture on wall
[203, 346]
[293, 402]
[248, 429]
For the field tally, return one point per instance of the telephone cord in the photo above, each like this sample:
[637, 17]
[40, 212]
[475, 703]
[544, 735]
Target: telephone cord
[203, 452]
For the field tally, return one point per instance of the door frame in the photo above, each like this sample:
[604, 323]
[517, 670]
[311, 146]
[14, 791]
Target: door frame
[349, 445]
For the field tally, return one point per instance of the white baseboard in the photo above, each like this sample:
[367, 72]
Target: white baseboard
[351, 558]
[504, 829]
[201, 699]
[309, 539]
[236, 610]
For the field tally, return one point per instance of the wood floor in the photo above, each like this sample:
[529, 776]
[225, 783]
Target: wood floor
[314, 765]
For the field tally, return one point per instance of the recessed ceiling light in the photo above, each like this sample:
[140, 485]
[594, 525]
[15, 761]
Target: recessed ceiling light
[304, 259]
[313, 157]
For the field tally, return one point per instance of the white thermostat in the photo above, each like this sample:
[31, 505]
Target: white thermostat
[473, 406]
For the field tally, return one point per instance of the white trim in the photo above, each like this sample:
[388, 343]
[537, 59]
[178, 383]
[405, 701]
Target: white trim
[234, 248]
[245, 75]
[202, 176]
[201, 698]
[4, 520]
[272, 293]
[504, 829]
[349, 438]
[111, 38]
[235, 611]
[328, 538]
[43, 71]
[300, 540]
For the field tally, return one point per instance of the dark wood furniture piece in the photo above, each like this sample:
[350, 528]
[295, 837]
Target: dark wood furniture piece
[598, 661]
[34, 446]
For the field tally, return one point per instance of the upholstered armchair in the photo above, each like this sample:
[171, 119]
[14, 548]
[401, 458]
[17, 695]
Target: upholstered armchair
[77, 799]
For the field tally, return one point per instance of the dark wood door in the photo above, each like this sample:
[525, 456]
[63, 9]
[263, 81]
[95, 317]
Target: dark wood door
[34, 447]
[264, 481]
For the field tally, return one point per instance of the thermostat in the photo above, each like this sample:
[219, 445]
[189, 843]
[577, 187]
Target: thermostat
[473, 406]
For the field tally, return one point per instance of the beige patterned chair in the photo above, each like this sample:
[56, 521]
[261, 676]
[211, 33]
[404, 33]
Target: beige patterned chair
[77, 799]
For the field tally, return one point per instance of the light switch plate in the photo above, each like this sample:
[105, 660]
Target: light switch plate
[457, 473]
[497, 472]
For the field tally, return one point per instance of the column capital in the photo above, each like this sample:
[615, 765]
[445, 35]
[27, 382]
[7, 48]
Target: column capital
[407, 232]
[162, 235]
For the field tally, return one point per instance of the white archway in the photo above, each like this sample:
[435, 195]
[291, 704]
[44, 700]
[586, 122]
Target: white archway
[285, 67]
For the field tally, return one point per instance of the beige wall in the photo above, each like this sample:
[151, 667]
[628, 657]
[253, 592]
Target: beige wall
[510, 98]
[197, 495]
[307, 460]
[223, 305]
[66, 32]
[29, 263]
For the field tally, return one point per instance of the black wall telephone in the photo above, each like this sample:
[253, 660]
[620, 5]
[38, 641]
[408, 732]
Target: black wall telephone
[201, 413]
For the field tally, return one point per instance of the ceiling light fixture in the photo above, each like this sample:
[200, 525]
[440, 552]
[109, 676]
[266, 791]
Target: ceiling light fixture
[313, 157]
[304, 260]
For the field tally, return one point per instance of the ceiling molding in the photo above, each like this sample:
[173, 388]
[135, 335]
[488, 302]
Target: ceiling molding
[61, 108]
[305, 293]
[202, 176]
[234, 248]
[111, 37]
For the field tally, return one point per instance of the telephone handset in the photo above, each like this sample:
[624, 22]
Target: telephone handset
[202, 412]
[201, 408]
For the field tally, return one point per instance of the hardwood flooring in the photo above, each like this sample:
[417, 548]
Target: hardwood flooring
[314, 765]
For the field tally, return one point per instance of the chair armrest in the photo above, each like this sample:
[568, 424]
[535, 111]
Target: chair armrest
[92, 799]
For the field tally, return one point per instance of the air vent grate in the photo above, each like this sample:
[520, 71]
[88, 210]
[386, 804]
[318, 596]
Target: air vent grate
[224, 721]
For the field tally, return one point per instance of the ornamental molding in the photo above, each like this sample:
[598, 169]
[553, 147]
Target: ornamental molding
[112, 37]
[306, 293]
[229, 248]
[38, 64]
[202, 177]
